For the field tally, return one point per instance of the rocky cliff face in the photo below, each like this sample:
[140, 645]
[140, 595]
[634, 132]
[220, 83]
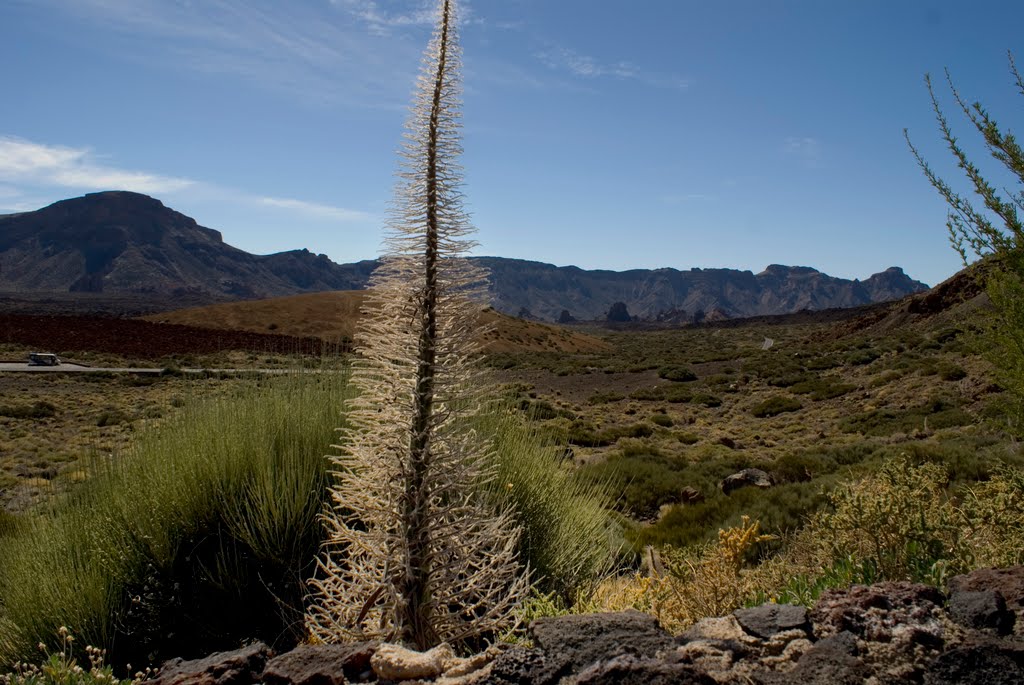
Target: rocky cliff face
[547, 291]
[121, 243]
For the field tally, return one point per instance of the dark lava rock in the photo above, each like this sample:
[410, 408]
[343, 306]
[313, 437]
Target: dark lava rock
[690, 495]
[745, 478]
[631, 670]
[571, 643]
[320, 664]
[832, 661]
[982, 610]
[240, 667]
[769, 619]
[992, 662]
[521, 666]
[873, 611]
[1008, 581]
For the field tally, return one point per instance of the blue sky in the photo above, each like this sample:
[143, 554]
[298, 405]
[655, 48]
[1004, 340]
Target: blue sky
[651, 133]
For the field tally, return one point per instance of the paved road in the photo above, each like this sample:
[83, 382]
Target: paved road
[70, 367]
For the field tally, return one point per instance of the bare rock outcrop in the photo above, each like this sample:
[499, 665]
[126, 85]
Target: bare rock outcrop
[884, 633]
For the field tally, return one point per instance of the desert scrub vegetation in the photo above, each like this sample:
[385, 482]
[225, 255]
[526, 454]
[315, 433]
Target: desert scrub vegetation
[773, 406]
[569, 536]
[202, 533]
[901, 521]
[992, 230]
[936, 413]
[214, 509]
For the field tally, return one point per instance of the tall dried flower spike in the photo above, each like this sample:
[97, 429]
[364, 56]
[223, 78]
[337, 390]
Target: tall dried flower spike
[413, 552]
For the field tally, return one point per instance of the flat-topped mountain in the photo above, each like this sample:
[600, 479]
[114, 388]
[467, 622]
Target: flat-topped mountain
[122, 243]
[556, 293]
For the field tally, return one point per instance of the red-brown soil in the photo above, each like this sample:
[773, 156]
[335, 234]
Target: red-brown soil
[139, 339]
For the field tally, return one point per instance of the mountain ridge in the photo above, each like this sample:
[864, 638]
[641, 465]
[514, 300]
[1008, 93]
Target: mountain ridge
[124, 243]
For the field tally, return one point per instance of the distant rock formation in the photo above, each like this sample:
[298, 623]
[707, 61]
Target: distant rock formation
[122, 243]
[618, 313]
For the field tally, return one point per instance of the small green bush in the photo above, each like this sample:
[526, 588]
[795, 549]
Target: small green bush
[862, 357]
[780, 509]
[707, 399]
[663, 420]
[800, 467]
[821, 388]
[112, 417]
[824, 362]
[790, 379]
[951, 372]
[605, 397]
[934, 415]
[687, 438]
[773, 406]
[679, 374]
[37, 410]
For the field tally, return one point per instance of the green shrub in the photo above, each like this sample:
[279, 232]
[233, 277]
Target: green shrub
[643, 482]
[821, 388]
[677, 373]
[674, 394]
[687, 438]
[112, 417]
[935, 414]
[569, 537]
[707, 399]
[663, 420]
[585, 434]
[37, 410]
[801, 467]
[790, 379]
[824, 362]
[780, 509]
[197, 537]
[900, 520]
[862, 357]
[605, 397]
[774, 406]
[951, 372]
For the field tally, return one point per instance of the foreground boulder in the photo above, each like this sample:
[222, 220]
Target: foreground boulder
[746, 478]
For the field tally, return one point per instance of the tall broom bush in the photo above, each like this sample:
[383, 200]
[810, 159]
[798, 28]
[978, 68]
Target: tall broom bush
[199, 536]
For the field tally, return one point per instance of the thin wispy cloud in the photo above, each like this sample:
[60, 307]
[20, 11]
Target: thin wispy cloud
[804, 149]
[421, 13]
[313, 53]
[584, 66]
[68, 167]
[685, 198]
[60, 168]
[381, 21]
[314, 209]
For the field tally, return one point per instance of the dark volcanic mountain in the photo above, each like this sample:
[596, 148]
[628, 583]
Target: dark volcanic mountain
[122, 243]
[548, 292]
[127, 243]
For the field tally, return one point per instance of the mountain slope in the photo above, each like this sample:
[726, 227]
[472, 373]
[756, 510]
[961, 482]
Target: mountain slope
[546, 291]
[120, 243]
[332, 316]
